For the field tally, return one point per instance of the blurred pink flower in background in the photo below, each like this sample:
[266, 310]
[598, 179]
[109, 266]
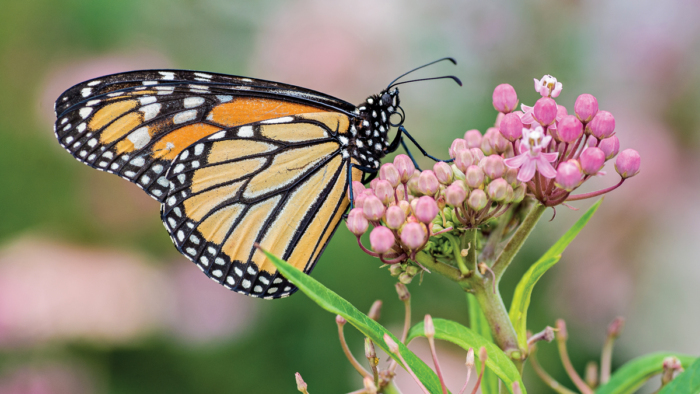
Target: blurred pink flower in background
[45, 379]
[52, 292]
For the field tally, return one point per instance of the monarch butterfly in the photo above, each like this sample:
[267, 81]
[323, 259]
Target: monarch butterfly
[233, 161]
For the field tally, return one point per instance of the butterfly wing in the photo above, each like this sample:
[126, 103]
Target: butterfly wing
[279, 182]
[134, 124]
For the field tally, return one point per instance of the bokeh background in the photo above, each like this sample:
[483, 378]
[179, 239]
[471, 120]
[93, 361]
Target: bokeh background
[95, 299]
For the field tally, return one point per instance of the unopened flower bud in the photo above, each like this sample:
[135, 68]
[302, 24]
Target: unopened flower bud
[602, 125]
[370, 387]
[473, 138]
[455, 194]
[375, 310]
[443, 172]
[373, 183]
[412, 270]
[592, 141]
[360, 200]
[426, 209]
[391, 344]
[457, 173]
[497, 189]
[586, 107]
[412, 185]
[470, 358]
[457, 145]
[592, 160]
[339, 320]
[504, 98]
[464, 159]
[610, 147]
[519, 193]
[591, 375]
[428, 183]
[404, 165]
[483, 355]
[405, 278]
[384, 191]
[510, 194]
[511, 176]
[494, 167]
[381, 239]
[402, 291]
[373, 208]
[405, 207]
[477, 154]
[429, 327]
[395, 217]
[671, 365]
[545, 111]
[615, 328]
[569, 175]
[477, 199]
[395, 269]
[357, 222]
[357, 188]
[511, 127]
[627, 163]
[301, 385]
[413, 235]
[499, 143]
[474, 177]
[561, 111]
[388, 172]
[486, 146]
[569, 129]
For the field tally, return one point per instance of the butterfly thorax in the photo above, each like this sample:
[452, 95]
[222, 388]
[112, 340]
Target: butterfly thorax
[370, 140]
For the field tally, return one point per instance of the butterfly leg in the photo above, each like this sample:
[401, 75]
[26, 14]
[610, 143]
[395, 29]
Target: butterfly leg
[367, 170]
[402, 130]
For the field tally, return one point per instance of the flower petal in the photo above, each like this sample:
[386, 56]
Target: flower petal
[557, 89]
[517, 161]
[544, 167]
[550, 157]
[527, 171]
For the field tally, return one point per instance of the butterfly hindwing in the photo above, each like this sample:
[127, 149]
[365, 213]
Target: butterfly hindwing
[280, 183]
[134, 124]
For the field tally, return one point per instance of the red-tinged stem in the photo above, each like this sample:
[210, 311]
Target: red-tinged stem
[575, 147]
[469, 375]
[478, 381]
[546, 378]
[570, 370]
[431, 341]
[413, 375]
[442, 231]
[394, 261]
[349, 355]
[369, 252]
[538, 187]
[594, 194]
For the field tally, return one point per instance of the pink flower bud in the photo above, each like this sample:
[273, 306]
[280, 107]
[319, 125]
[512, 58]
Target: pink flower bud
[474, 177]
[592, 141]
[404, 166]
[493, 166]
[545, 111]
[357, 188]
[569, 175]
[510, 194]
[592, 160]
[373, 183]
[486, 146]
[384, 191]
[511, 176]
[405, 207]
[443, 172]
[519, 193]
[395, 217]
[457, 145]
[373, 208]
[360, 200]
[561, 111]
[477, 199]
[511, 127]
[473, 138]
[464, 159]
[357, 222]
[391, 344]
[412, 185]
[455, 194]
[504, 98]
[426, 209]
[586, 107]
[602, 125]
[389, 173]
[498, 141]
[428, 183]
[569, 129]
[478, 154]
[497, 189]
[381, 239]
[610, 147]
[627, 163]
[413, 235]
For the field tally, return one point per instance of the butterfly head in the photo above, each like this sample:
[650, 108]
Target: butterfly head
[376, 116]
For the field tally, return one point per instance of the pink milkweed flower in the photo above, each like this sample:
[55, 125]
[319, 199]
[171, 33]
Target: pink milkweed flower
[548, 86]
[532, 158]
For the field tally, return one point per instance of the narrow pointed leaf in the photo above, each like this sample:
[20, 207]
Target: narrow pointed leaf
[523, 292]
[633, 374]
[478, 323]
[465, 338]
[335, 304]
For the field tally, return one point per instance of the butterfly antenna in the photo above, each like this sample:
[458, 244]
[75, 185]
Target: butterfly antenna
[418, 68]
[452, 77]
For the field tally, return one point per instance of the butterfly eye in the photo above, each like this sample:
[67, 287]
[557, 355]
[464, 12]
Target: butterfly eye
[387, 100]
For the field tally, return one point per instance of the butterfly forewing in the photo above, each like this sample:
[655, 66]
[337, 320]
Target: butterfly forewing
[280, 183]
[134, 124]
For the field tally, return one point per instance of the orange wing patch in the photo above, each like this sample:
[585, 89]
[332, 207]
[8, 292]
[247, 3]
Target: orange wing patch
[171, 145]
[334, 121]
[246, 110]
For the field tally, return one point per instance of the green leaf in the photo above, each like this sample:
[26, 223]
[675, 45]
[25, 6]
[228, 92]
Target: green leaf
[465, 338]
[523, 292]
[478, 323]
[686, 382]
[629, 377]
[333, 303]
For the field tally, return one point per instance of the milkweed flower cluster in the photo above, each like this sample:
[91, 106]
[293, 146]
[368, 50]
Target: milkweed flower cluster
[556, 152]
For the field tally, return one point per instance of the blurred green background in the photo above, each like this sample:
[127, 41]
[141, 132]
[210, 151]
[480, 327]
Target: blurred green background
[95, 299]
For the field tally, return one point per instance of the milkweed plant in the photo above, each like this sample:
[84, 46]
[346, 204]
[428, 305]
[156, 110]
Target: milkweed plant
[466, 220]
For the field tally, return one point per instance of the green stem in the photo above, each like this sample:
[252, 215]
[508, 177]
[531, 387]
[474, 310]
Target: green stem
[457, 251]
[517, 241]
[496, 315]
[442, 268]
[488, 252]
[470, 238]
[390, 389]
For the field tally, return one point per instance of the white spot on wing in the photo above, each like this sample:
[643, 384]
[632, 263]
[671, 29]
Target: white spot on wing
[150, 111]
[185, 116]
[218, 135]
[245, 131]
[191, 102]
[167, 75]
[224, 99]
[85, 92]
[279, 120]
[85, 112]
[139, 137]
